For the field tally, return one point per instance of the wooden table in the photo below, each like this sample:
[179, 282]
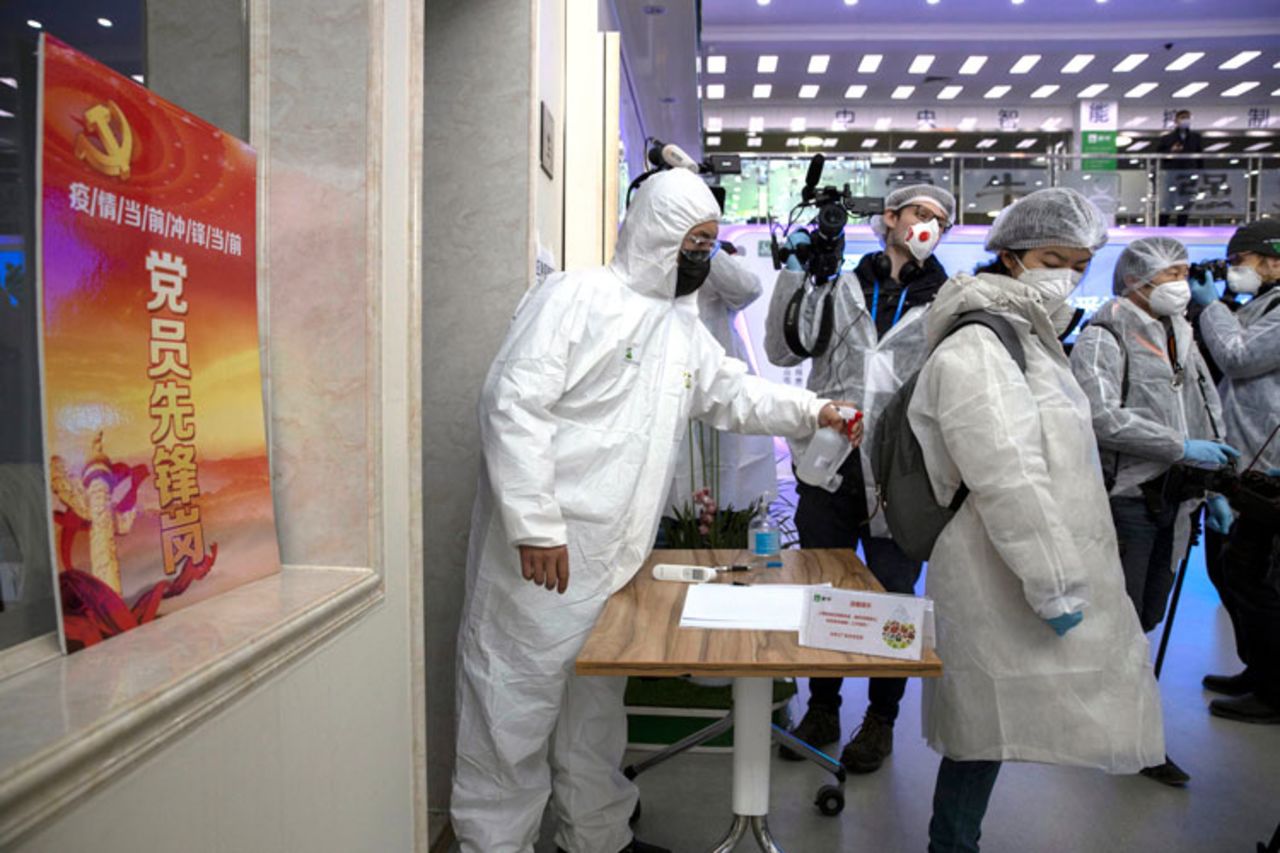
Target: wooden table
[639, 634]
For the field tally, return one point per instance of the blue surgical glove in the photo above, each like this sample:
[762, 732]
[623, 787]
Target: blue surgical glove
[1208, 454]
[1203, 290]
[1064, 623]
[1218, 514]
[798, 238]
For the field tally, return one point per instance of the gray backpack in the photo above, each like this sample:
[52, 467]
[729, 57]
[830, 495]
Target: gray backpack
[914, 516]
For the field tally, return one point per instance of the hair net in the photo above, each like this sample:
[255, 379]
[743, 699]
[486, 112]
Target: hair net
[1056, 216]
[915, 194]
[1143, 259]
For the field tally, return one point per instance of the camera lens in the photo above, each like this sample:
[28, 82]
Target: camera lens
[832, 219]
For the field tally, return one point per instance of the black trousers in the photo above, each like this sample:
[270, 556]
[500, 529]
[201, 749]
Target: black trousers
[1146, 554]
[839, 520]
[1251, 578]
[1215, 561]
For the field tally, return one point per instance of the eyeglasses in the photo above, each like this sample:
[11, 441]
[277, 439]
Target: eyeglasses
[700, 244]
[700, 249]
[924, 214]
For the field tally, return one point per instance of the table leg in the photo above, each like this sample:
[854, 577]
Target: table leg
[752, 711]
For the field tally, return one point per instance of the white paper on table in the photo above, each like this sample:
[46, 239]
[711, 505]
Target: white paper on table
[763, 607]
[870, 623]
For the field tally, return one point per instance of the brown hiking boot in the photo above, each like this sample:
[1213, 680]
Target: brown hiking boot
[872, 743]
[820, 728]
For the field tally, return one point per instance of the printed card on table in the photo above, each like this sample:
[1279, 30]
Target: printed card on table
[868, 623]
[154, 431]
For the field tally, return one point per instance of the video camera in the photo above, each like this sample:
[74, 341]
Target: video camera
[1217, 270]
[822, 257]
[1253, 494]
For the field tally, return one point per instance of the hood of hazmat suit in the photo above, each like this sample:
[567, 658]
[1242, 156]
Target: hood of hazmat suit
[737, 468]
[1246, 346]
[580, 418]
[1033, 541]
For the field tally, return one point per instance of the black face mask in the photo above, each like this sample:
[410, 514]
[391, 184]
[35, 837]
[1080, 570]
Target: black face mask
[691, 271]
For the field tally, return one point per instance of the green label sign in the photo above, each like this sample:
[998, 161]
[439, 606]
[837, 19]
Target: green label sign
[1098, 142]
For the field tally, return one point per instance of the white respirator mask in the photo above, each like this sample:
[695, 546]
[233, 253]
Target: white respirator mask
[1170, 298]
[1244, 280]
[1053, 285]
[922, 238]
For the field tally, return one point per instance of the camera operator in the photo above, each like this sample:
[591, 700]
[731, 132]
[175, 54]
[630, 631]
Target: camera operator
[1246, 348]
[865, 334]
[1154, 411]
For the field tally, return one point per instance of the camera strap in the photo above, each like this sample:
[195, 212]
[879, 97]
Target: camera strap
[791, 323]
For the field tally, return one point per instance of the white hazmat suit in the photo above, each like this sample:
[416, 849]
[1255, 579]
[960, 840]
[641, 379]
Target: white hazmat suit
[581, 416]
[745, 464]
[1033, 541]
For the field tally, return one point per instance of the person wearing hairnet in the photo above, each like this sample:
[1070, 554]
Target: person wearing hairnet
[1044, 658]
[1245, 345]
[580, 418]
[742, 466]
[1155, 410]
[876, 339]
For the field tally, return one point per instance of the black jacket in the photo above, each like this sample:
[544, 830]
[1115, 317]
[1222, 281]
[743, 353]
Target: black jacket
[1181, 142]
[921, 287]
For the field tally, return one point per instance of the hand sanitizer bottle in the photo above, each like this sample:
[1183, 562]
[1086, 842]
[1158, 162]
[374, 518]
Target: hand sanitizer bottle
[764, 538]
[820, 463]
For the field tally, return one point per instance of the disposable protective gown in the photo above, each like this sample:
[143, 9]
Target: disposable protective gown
[859, 365]
[581, 415]
[1246, 347]
[1141, 437]
[1034, 540]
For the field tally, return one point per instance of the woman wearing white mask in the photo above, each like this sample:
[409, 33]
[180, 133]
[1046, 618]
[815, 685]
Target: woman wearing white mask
[1156, 414]
[1043, 656]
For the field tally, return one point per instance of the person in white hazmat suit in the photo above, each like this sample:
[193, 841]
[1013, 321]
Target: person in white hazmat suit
[580, 418]
[877, 340]
[1246, 347]
[742, 467]
[1155, 411]
[1044, 659]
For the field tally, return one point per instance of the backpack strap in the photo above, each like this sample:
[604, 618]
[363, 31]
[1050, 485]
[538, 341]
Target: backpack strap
[1008, 336]
[1124, 379]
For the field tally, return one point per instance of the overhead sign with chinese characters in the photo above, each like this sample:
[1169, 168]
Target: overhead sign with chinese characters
[154, 429]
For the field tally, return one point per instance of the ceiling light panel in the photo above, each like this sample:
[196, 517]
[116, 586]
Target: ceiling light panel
[1188, 90]
[798, 124]
[766, 64]
[715, 91]
[947, 143]
[1130, 62]
[997, 92]
[973, 65]
[755, 124]
[1045, 91]
[870, 63]
[818, 63]
[1141, 90]
[809, 90]
[1182, 63]
[949, 93]
[761, 90]
[1093, 91]
[901, 93]
[856, 91]
[716, 64]
[1077, 63]
[1240, 60]
[715, 124]
[1025, 64]
[921, 64]
[1240, 88]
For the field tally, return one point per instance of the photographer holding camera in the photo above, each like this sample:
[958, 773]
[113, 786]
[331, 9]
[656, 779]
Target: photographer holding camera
[865, 334]
[1155, 412]
[1245, 345]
